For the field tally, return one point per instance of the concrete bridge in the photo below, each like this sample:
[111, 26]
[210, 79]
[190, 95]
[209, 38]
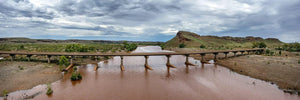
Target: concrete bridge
[146, 55]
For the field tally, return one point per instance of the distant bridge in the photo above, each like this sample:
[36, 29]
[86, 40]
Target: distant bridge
[146, 55]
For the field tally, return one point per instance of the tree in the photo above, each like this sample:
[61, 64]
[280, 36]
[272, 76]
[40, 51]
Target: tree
[182, 45]
[259, 45]
[202, 46]
[63, 61]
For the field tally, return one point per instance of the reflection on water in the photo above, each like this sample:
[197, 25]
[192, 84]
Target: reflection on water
[202, 81]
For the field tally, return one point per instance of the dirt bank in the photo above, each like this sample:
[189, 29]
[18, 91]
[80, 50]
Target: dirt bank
[19, 75]
[282, 70]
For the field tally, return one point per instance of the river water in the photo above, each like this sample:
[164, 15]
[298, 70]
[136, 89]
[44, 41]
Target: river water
[200, 82]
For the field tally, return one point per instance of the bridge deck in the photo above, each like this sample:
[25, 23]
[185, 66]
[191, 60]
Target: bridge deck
[120, 54]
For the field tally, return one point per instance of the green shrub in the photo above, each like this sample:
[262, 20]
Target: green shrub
[162, 46]
[182, 45]
[106, 57]
[298, 61]
[74, 68]
[297, 54]
[5, 93]
[49, 90]
[259, 45]
[76, 76]
[268, 62]
[78, 48]
[21, 68]
[63, 61]
[202, 46]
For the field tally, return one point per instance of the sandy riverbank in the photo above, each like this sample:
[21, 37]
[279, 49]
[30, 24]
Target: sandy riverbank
[25, 75]
[283, 71]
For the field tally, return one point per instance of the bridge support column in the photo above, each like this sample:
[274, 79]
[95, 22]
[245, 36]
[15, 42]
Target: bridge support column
[226, 54]
[242, 52]
[202, 57]
[12, 57]
[28, 57]
[215, 56]
[187, 60]
[122, 66]
[146, 63]
[169, 65]
[48, 57]
[234, 53]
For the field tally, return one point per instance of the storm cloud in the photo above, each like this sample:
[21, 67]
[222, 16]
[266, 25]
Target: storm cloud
[149, 20]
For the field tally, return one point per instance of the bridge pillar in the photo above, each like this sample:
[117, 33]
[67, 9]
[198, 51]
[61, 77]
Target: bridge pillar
[12, 56]
[234, 53]
[215, 57]
[146, 63]
[202, 57]
[242, 52]
[187, 60]
[226, 54]
[28, 57]
[169, 65]
[122, 66]
[48, 57]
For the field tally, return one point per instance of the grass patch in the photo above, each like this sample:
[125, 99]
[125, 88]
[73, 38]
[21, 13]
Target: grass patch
[5, 93]
[298, 61]
[268, 62]
[48, 66]
[235, 63]
[20, 68]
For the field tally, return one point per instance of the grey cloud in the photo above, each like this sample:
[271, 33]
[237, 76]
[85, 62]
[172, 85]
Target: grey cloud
[270, 18]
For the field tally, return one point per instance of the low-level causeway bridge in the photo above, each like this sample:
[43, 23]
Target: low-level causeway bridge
[146, 55]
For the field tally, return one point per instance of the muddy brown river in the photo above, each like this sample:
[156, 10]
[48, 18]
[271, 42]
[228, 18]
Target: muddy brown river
[200, 82]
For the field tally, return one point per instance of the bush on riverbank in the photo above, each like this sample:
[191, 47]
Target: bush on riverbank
[129, 47]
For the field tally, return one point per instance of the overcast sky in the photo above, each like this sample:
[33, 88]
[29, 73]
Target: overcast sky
[149, 20]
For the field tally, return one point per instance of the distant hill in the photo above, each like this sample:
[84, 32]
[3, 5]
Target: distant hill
[214, 42]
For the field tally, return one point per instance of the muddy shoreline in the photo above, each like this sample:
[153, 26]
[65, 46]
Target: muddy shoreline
[17, 75]
[22, 75]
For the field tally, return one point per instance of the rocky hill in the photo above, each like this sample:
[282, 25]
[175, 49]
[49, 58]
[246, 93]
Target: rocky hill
[214, 42]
